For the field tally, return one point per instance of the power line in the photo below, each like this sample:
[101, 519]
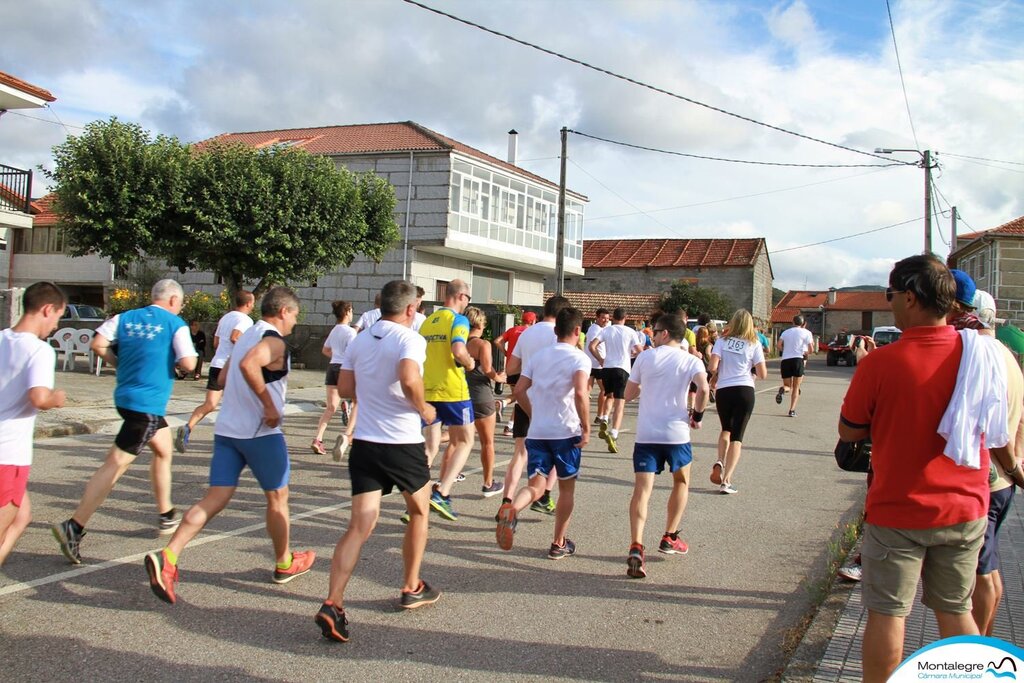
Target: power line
[846, 237]
[742, 196]
[37, 118]
[50, 109]
[737, 161]
[998, 161]
[634, 81]
[968, 160]
[896, 49]
[626, 200]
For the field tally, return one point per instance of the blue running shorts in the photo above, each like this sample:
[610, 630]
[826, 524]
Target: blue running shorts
[453, 413]
[266, 456]
[652, 457]
[562, 454]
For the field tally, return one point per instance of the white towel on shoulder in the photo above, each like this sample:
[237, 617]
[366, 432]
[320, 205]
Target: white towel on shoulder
[978, 404]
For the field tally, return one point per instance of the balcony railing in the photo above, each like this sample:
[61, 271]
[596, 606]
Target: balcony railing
[15, 189]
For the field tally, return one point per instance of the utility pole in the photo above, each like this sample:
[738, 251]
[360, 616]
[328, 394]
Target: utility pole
[560, 241]
[926, 160]
[952, 231]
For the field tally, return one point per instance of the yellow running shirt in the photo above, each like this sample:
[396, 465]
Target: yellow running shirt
[444, 380]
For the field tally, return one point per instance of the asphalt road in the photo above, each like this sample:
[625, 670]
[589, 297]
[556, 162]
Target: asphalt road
[721, 612]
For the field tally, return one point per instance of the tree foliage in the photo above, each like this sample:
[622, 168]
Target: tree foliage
[696, 300]
[251, 215]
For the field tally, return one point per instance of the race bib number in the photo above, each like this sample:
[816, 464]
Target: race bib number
[735, 345]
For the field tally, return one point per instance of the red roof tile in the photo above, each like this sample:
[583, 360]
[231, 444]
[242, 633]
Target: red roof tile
[671, 253]
[43, 214]
[26, 87]
[796, 301]
[1011, 228]
[370, 138]
[636, 305]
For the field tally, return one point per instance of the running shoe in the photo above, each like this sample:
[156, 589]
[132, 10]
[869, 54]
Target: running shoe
[344, 414]
[302, 561]
[163, 576]
[792, 413]
[853, 572]
[711, 396]
[181, 438]
[779, 395]
[602, 431]
[169, 523]
[494, 489]
[340, 446]
[545, 507]
[727, 489]
[443, 506]
[610, 440]
[332, 622]
[507, 524]
[461, 476]
[716, 473]
[507, 431]
[558, 552]
[672, 546]
[318, 447]
[405, 518]
[635, 566]
[424, 595]
[597, 419]
[69, 540]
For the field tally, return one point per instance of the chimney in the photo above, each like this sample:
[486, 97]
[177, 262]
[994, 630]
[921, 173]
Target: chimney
[831, 296]
[513, 146]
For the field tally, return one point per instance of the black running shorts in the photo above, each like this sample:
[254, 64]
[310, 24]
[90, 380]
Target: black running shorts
[735, 405]
[520, 423]
[615, 382]
[212, 383]
[792, 367]
[331, 378]
[384, 466]
[137, 430]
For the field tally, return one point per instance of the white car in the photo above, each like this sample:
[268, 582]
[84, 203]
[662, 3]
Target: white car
[886, 334]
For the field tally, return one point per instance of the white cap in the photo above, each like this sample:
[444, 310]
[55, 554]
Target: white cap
[985, 307]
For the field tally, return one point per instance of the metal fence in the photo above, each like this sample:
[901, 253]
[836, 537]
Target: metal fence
[15, 189]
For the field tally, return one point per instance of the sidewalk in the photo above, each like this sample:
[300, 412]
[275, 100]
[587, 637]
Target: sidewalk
[842, 658]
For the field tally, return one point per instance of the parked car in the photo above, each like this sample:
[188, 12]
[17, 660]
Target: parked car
[886, 335]
[84, 312]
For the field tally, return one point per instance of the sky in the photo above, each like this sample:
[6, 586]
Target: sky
[826, 69]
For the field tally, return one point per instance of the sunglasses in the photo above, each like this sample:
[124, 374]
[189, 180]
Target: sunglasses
[889, 291]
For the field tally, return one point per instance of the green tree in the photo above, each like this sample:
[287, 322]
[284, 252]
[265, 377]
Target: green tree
[267, 216]
[697, 300]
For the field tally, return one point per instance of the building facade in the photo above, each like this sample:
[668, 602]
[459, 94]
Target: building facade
[995, 259]
[832, 311]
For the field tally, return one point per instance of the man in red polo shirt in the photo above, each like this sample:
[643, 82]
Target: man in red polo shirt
[925, 516]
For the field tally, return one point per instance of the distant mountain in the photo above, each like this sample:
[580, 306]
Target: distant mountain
[862, 288]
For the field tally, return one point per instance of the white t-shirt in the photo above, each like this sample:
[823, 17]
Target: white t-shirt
[534, 338]
[385, 414]
[738, 357]
[367, 319]
[417, 320]
[26, 361]
[592, 333]
[552, 399]
[664, 374]
[619, 341]
[795, 341]
[241, 411]
[338, 340]
[229, 322]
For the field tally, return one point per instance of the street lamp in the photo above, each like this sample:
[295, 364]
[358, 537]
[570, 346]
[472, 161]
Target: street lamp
[926, 164]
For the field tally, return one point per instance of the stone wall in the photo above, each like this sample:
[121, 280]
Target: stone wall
[1010, 303]
[62, 269]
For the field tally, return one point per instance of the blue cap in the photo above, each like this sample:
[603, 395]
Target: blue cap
[965, 288]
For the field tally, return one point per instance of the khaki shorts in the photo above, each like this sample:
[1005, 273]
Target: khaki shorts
[945, 558]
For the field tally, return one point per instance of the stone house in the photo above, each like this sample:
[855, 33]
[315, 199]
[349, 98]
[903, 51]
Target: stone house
[739, 268]
[831, 311]
[462, 214]
[995, 259]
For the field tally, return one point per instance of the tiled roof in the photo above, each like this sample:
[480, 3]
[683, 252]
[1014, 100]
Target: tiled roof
[671, 253]
[18, 84]
[369, 138]
[42, 211]
[636, 305]
[1012, 228]
[797, 301]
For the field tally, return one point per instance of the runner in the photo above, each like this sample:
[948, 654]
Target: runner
[552, 391]
[621, 344]
[737, 359]
[247, 433]
[601, 319]
[539, 336]
[368, 318]
[482, 395]
[334, 348]
[149, 342]
[661, 378]
[383, 370]
[230, 327]
[796, 344]
[26, 387]
[507, 344]
[444, 381]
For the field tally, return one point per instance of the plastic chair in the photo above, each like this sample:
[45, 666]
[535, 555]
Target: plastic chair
[64, 341]
[83, 345]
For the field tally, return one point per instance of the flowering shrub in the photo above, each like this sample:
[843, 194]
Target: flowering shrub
[123, 299]
[204, 307]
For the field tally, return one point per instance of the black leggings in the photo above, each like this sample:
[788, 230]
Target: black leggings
[735, 405]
